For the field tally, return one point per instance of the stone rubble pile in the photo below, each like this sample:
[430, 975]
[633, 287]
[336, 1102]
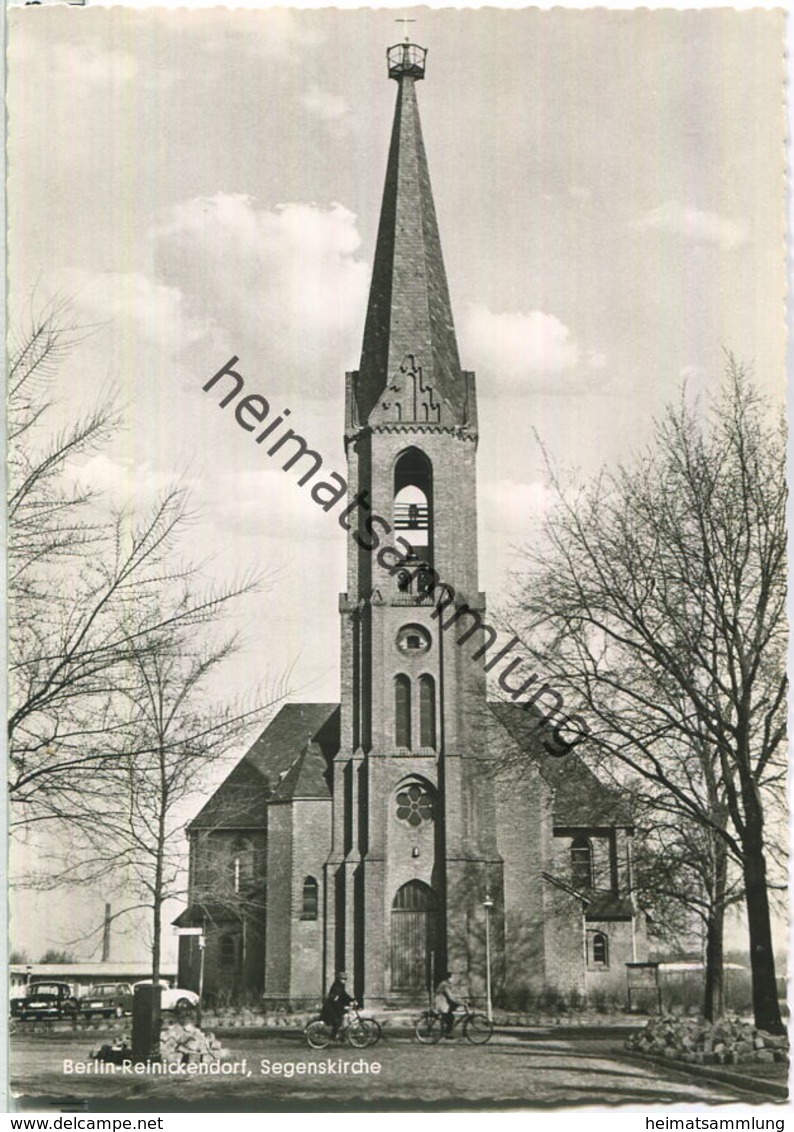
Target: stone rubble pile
[731, 1041]
[185, 1043]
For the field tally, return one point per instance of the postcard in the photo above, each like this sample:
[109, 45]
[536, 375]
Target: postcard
[396, 560]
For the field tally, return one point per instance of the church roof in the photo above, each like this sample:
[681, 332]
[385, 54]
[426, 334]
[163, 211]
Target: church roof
[409, 311]
[580, 797]
[306, 778]
[609, 906]
[286, 736]
[201, 912]
[276, 758]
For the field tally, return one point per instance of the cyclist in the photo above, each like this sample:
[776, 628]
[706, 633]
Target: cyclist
[335, 1003]
[445, 1003]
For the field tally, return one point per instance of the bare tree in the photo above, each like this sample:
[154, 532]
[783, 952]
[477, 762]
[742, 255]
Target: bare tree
[172, 735]
[682, 877]
[84, 588]
[658, 608]
[116, 652]
[166, 731]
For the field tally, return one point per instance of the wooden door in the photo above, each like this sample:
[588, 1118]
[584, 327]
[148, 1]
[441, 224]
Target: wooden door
[412, 936]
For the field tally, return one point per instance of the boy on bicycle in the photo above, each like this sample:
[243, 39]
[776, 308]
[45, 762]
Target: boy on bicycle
[445, 1002]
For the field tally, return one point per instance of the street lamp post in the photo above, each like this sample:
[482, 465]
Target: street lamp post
[488, 905]
[202, 942]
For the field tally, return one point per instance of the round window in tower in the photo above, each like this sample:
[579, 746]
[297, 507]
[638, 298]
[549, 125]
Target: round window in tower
[415, 804]
[413, 639]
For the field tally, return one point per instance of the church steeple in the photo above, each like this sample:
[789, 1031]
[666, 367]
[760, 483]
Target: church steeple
[409, 328]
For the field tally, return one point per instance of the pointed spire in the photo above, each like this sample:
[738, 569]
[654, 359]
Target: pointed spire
[410, 368]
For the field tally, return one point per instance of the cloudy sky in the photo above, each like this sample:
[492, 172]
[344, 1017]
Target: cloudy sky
[203, 184]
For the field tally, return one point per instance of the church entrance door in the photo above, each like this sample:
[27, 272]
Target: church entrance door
[413, 933]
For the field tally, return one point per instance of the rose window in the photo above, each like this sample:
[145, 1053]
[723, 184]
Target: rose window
[415, 805]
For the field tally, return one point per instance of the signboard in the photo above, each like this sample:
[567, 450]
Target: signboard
[644, 992]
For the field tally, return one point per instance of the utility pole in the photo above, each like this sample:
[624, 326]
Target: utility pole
[106, 935]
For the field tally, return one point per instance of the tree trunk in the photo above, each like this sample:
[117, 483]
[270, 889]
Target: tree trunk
[157, 915]
[766, 1008]
[714, 999]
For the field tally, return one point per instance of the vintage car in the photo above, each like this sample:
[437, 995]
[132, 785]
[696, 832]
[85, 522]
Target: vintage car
[173, 998]
[46, 1000]
[110, 1000]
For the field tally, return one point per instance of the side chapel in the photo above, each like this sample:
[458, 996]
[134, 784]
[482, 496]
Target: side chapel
[376, 834]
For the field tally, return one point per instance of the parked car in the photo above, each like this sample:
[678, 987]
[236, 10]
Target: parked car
[111, 1000]
[172, 997]
[46, 1000]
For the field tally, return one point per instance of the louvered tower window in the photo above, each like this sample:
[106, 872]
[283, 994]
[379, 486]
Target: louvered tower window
[427, 711]
[402, 711]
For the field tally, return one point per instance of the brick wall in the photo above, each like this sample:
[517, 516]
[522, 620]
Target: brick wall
[279, 902]
[312, 842]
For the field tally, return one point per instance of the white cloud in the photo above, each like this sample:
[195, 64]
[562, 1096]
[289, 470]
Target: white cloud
[266, 33]
[132, 301]
[74, 66]
[582, 194]
[122, 480]
[693, 224]
[328, 107]
[513, 506]
[530, 350]
[286, 282]
[697, 384]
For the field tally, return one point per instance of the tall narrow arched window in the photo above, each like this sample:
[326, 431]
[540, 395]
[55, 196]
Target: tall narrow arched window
[581, 863]
[228, 951]
[427, 711]
[311, 902]
[402, 711]
[600, 950]
[242, 864]
[413, 503]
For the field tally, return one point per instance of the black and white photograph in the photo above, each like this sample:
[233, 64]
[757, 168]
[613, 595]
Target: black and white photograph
[396, 562]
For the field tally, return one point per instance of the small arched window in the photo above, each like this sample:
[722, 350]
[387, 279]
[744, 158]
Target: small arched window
[228, 951]
[427, 711]
[311, 899]
[600, 950]
[402, 711]
[581, 863]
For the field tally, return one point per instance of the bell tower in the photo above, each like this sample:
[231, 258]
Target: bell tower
[414, 838]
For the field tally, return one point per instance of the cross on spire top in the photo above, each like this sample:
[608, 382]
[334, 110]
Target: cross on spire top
[404, 20]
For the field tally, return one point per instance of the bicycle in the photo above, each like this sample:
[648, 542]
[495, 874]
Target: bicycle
[475, 1027]
[356, 1031]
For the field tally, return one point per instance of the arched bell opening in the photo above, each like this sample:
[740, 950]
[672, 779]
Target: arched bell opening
[413, 503]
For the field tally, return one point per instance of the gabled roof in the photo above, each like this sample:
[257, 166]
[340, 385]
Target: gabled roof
[580, 798]
[306, 778]
[238, 803]
[200, 913]
[608, 906]
[598, 906]
[241, 800]
[286, 736]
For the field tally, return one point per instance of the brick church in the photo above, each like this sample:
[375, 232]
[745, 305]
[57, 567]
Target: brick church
[377, 834]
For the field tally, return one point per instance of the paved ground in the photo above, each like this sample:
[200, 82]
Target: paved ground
[510, 1071]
